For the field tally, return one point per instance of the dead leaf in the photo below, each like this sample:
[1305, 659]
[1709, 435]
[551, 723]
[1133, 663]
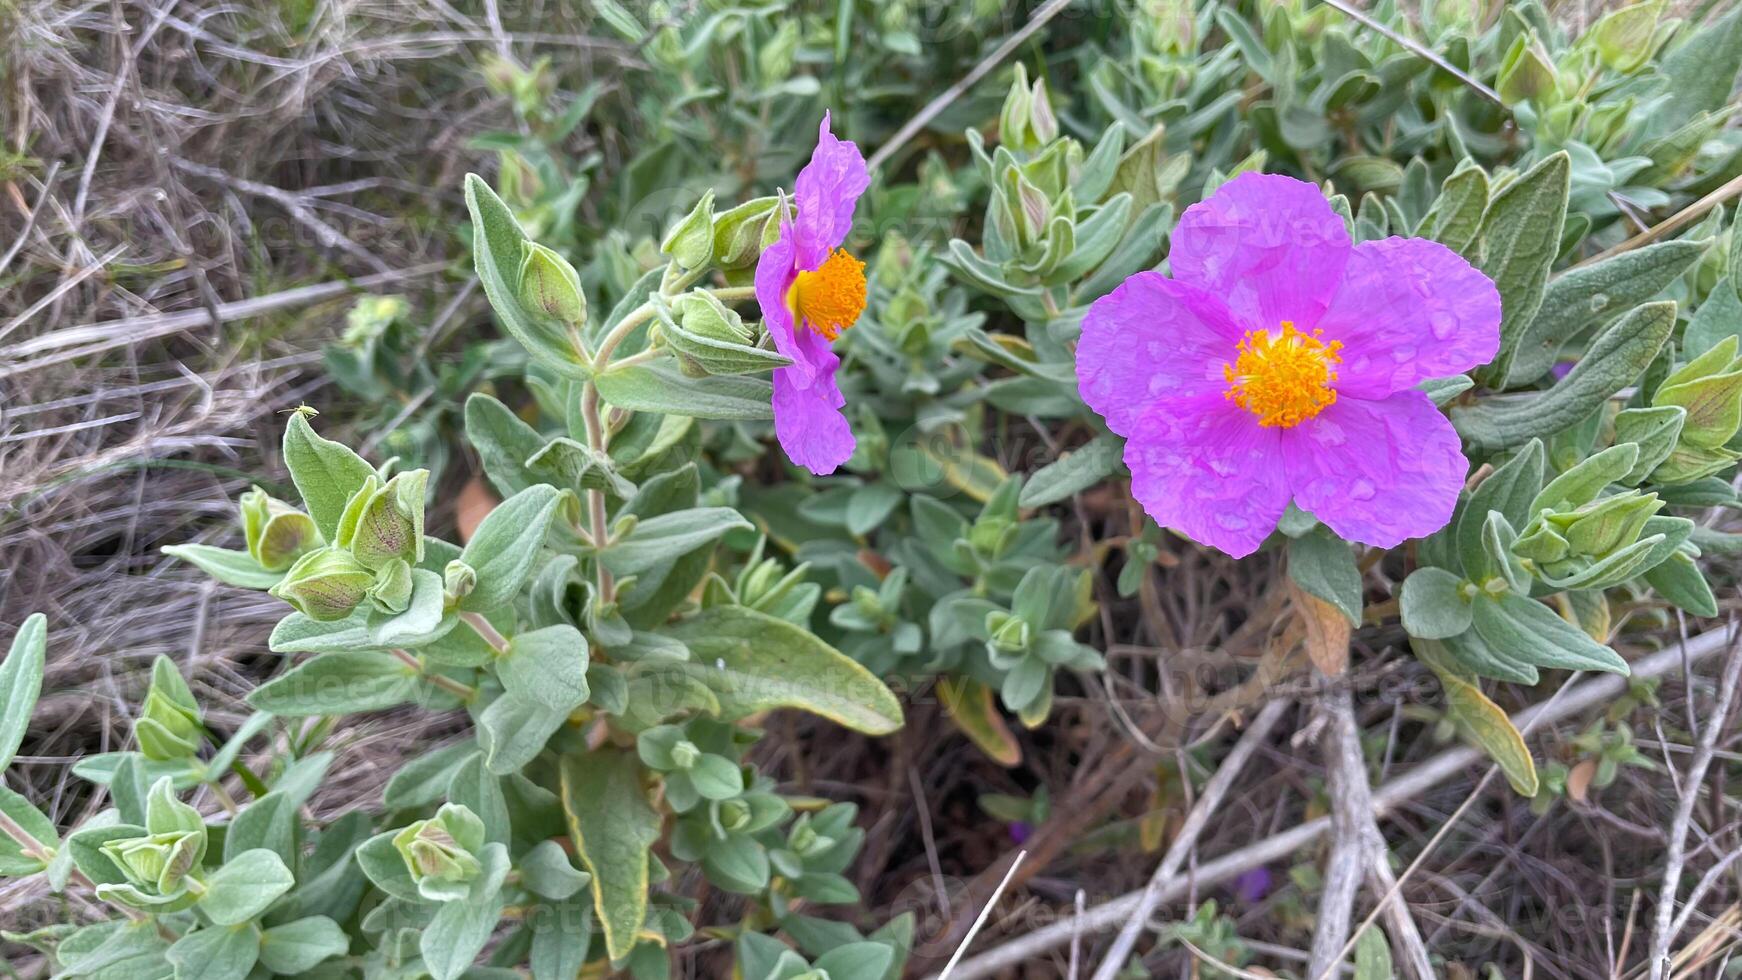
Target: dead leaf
[1327, 631]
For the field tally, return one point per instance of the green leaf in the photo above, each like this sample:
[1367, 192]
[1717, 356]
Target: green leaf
[1700, 71]
[567, 463]
[506, 545]
[1481, 719]
[545, 870]
[337, 684]
[1617, 357]
[614, 828]
[296, 947]
[498, 247]
[1521, 235]
[866, 959]
[669, 536]
[1528, 631]
[1433, 605]
[512, 731]
[504, 443]
[1508, 490]
[547, 666]
[385, 867]
[1075, 471]
[245, 886]
[1591, 296]
[215, 954]
[1322, 564]
[1679, 580]
[236, 568]
[326, 473]
[737, 863]
[560, 943]
[21, 684]
[460, 929]
[14, 862]
[753, 662]
[661, 387]
[1457, 213]
[1373, 956]
[1720, 316]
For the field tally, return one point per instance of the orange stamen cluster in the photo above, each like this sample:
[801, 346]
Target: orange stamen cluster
[830, 297]
[1283, 378]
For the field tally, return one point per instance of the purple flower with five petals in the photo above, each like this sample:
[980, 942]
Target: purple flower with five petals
[810, 290]
[1280, 363]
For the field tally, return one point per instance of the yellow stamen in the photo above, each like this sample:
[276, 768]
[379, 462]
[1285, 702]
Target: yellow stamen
[831, 297]
[1284, 378]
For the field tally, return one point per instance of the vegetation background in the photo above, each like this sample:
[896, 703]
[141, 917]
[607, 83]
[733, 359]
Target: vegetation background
[194, 195]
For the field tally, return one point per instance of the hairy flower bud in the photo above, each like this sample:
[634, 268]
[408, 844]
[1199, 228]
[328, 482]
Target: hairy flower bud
[550, 285]
[741, 233]
[277, 533]
[325, 584]
[459, 579]
[168, 726]
[690, 242]
[685, 754]
[382, 523]
[441, 853]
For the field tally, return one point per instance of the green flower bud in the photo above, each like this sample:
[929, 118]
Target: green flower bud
[684, 754]
[735, 813]
[691, 241]
[384, 523]
[1541, 543]
[441, 852]
[1604, 525]
[325, 584]
[1622, 38]
[1527, 73]
[806, 842]
[277, 533]
[992, 535]
[1007, 633]
[157, 864]
[459, 579]
[1713, 403]
[391, 590]
[742, 233]
[168, 726]
[1169, 26]
[1686, 464]
[1026, 121]
[550, 285]
[701, 313]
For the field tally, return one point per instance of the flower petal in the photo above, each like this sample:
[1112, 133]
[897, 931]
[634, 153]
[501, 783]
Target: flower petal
[1409, 310]
[1211, 472]
[827, 189]
[1377, 472]
[774, 277]
[807, 416]
[1152, 342]
[1269, 245]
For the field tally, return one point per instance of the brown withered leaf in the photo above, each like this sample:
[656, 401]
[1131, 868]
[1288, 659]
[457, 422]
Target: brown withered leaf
[1327, 631]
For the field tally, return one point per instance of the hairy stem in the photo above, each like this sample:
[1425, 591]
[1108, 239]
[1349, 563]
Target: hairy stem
[465, 692]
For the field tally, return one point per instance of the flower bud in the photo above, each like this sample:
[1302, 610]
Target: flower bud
[277, 533]
[691, 241]
[168, 726]
[1527, 73]
[684, 755]
[701, 313]
[735, 813]
[1604, 525]
[550, 285]
[383, 523]
[459, 579]
[325, 584]
[441, 852]
[1622, 38]
[742, 233]
[1005, 632]
[157, 864]
[391, 590]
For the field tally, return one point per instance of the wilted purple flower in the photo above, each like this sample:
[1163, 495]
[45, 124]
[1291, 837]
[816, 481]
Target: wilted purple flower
[1279, 363]
[1020, 831]
[810, 290]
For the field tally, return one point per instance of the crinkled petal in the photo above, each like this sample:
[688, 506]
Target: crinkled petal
[807, 417]
[826, 190]
[1150, 342]
[1269, 245]
[775, 273]
[1211, 472]
[1409, 310]
[1377, 472]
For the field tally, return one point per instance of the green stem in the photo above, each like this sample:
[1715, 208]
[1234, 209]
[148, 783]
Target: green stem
[596, 498]
[465, 692]
[481, 626]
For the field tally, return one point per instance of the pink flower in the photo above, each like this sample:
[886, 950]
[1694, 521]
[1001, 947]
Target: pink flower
[810, 290]
[1279, 363]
